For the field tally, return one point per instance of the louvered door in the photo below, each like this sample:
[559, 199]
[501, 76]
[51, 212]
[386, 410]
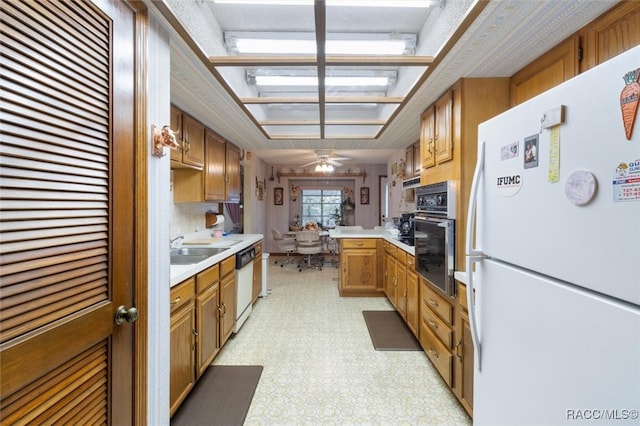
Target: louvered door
[67, 212]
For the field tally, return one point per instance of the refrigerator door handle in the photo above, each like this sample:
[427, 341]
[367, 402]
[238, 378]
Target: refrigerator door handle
[474, 255]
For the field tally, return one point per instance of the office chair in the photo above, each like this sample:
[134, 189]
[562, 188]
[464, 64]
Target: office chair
[310, 247]
[286, 245]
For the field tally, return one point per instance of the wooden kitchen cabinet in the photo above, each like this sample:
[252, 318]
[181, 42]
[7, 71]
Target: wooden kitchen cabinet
[554, 67]
[203, 312]
[222, 169]
[436, 332]
[401, 283]
[463, 361]
[190, 135]
[391, 287]
[436, 136]
[205, 167]
[614, 32]
[358, 267]
[412, 161]
[227, 306]
[413, 297]
[207, 318]
[473, 101]
[182, 343]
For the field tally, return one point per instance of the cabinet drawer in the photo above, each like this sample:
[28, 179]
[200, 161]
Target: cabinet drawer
[353, 243]
[432, 300]
[438, 327]
[182, 293]
[461, 295]
[437, 353]
[227, 266]
[411, 262]
[401, 255]
[207, 278]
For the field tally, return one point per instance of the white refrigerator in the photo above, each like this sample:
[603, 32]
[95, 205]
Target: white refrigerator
[553, 257]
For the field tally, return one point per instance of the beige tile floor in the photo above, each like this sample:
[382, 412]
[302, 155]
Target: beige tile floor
[320, 367]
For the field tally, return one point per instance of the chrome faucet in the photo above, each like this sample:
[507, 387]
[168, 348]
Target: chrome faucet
[179, 237]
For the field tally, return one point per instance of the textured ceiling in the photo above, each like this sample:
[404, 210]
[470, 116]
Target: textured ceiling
[506, 36]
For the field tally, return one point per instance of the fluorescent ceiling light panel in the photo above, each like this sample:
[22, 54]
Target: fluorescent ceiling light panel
[304, 43]
[332, 47]
[343, 3]
[279, 80]
[287, 47]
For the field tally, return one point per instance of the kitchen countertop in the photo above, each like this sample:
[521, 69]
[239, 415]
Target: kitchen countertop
[371, 233]
[180, 273]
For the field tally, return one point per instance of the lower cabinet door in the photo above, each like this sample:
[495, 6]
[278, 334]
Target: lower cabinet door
[182, 371]
[208, 327]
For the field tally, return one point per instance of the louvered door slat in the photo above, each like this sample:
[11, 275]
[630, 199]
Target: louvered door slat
[31, 279]
[51, 118]
[26, 95]
[15, 165]
[58, 136]
[11, 305]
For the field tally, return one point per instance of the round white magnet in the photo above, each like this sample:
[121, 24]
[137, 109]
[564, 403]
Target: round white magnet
[580, 187]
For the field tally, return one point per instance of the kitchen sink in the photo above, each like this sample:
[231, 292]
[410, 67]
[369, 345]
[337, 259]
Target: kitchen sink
[191, 255]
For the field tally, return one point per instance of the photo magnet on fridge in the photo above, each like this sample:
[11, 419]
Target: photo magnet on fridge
[531, 152]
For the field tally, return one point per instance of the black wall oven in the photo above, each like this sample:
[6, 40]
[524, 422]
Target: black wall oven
[435, 235]
[435, 251]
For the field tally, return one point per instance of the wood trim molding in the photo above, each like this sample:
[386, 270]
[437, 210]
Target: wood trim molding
[142, 135]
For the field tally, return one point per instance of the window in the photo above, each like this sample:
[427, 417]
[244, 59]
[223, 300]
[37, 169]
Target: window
[321, 206]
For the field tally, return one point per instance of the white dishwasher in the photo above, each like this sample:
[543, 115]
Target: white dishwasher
[244, 285]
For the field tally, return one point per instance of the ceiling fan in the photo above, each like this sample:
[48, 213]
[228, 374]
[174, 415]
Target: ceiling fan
[326, 162]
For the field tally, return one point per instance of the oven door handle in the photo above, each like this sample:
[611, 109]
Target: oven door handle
[448, 240]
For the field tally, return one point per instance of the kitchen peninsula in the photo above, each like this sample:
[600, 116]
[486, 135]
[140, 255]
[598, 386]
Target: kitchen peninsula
[363, 264]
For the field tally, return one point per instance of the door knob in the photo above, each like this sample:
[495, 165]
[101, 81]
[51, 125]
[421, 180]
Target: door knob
[124, 314]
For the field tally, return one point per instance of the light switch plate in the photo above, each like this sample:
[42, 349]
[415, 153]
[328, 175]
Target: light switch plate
[552, 117]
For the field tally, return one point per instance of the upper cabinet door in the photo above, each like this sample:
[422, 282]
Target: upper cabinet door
[444, 135]
[427, 137]
[233, 173]
[554, 67]
[613, 33]
[176, 126]
[214, 176]
[193, 145]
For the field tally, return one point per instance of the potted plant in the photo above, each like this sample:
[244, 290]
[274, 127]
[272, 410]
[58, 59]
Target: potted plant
[348, 204]
[336, 216]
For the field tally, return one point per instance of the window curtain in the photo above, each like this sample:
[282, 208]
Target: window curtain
[235, 214]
